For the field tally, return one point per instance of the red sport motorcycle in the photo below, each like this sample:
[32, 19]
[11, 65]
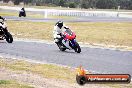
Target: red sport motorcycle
[69, 41]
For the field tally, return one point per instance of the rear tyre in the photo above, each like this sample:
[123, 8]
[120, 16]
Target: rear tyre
[9, 37]
[78, 48]
[62, 49]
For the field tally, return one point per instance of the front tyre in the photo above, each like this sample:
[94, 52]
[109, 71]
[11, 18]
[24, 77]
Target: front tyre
[19, 14]
[78, 48]
[9, 37]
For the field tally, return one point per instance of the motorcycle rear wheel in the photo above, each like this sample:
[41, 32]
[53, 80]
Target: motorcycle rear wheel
[60, 47]
[9, 37]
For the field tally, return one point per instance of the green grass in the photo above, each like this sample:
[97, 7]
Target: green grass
[12, 84]
[4, 82]
[108, 33]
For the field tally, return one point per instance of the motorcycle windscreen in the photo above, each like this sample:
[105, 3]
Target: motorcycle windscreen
[68, 31]
[69, 34]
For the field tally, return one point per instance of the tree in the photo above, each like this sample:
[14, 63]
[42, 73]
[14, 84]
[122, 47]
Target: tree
[130, 7]
[27, 1]
[101, 4]
[106, 4]
[84, 5]
[62, 3]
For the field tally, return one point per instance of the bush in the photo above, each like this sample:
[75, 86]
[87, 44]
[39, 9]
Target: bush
[72, 5]
[62, 3]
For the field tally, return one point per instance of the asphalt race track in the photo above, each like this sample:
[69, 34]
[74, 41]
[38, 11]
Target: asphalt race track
[93, 59]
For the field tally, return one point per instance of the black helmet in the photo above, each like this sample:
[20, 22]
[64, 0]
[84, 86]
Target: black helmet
[59, 24]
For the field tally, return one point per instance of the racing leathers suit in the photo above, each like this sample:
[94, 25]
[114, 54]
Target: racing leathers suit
[57, 33]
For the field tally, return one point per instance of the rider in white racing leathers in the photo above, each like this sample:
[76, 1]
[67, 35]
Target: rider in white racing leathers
[3, 25]
[58, 29]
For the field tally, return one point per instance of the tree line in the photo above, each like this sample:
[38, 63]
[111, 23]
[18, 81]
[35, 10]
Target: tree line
[98, 4]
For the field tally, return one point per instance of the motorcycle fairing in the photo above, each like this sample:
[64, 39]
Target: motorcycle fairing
[70, 44]
[66, 44]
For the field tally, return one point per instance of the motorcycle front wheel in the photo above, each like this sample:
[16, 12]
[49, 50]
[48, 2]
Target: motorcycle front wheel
[77, 48]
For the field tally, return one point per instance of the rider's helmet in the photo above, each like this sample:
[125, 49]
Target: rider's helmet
[59, 24]
[2, 19]
[23, 9]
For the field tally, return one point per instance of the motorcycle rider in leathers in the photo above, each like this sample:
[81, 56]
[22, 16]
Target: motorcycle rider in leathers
[1, 19]
[3, 26]
[57, 32]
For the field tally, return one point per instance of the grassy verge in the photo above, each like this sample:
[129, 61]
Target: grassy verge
[12, 84]
[108, 33]
[35, 30]
[8, 14]
[46, 70]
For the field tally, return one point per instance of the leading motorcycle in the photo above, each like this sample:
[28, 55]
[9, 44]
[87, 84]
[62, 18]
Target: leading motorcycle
[69, 41]
[4, 33]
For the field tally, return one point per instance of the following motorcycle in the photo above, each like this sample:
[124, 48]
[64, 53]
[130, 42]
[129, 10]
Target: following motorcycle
[22, 12]
[4, 33]
[68, 41]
